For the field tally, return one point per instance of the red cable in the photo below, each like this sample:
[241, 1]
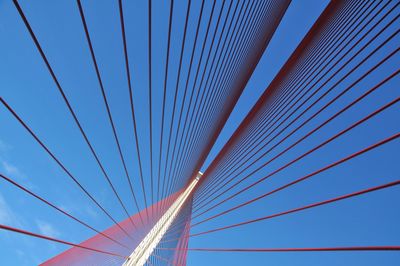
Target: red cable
[358, 80]
[323, 94]
[328, 140]
[176, 91]
[307, 39]
[128, 74]
[256, 137]
[60, 89]
[217, 84]
[59, 209]
[356, 248]
[354, 194]
[82, 15]
[171, 10]
[150, 106]
[243, 81]
[301, 179]
[62, 166]
[20, 231]
[175, 139]
[320, 203]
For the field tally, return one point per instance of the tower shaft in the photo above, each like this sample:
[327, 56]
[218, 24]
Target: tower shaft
[146, 247]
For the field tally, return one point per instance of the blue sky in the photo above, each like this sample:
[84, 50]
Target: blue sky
[27, 86]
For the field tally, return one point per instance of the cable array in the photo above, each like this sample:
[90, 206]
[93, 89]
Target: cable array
[337, 85]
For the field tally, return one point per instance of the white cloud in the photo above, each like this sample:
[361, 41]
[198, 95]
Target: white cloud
[12, 170]
[15, 173]
[6, 215]
[91, 212]
[9, 168]
[65, 208]
[47, 229]
[4, 147]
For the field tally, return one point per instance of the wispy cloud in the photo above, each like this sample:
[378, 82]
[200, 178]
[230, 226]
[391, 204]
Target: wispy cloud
[4, 147]
[12, 170]
[65, 208]
[7, 167]
[15, 173]
[47, 229]
[91, 212]
[7, 216]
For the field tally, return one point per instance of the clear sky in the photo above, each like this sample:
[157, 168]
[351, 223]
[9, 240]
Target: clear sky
[27, 86]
